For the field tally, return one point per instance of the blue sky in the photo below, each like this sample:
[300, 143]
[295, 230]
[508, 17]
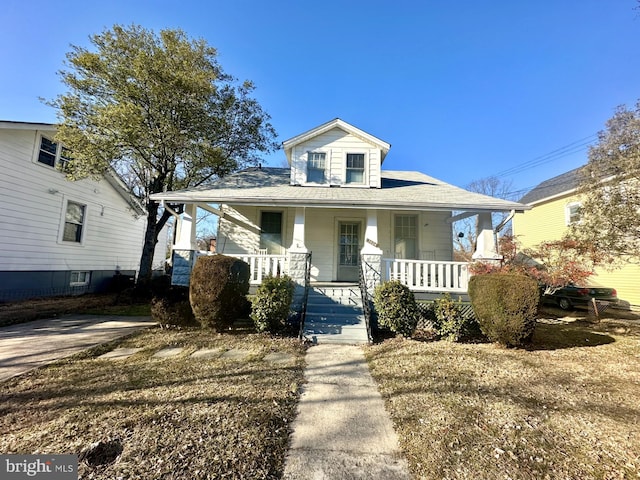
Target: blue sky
[461, 90]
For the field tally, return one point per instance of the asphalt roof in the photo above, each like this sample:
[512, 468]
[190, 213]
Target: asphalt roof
[564, 183]
[269, 186]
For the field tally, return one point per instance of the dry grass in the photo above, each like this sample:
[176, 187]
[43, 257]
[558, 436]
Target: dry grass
[177, 418]
[567, 408]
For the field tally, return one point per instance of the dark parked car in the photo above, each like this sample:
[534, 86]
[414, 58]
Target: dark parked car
[574, 296]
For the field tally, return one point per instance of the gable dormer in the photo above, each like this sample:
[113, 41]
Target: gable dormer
[336, 154]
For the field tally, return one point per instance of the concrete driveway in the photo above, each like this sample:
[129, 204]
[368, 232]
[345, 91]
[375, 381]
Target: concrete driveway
[30, 345]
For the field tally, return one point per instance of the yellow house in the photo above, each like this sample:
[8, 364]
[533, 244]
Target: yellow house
[555, 205]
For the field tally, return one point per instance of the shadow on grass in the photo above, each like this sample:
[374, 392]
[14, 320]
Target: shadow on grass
[563, 335]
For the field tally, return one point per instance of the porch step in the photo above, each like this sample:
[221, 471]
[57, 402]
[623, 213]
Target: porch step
[335, 315]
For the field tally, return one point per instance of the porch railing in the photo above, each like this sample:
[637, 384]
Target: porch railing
[428, 275]
[264, 265]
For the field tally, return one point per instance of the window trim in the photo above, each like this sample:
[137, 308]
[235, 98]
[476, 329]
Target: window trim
[60, 161]
[326, 170]
[417, 237]
[365, 168]
[567, 213]
[87, 278]
[63, 221]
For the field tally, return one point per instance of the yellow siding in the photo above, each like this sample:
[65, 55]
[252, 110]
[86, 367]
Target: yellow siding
[546, 221]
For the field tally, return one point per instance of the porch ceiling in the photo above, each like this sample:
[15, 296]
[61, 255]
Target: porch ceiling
[400, 190]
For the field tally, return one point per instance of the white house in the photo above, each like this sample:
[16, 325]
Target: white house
[336, 202]
[57, 236]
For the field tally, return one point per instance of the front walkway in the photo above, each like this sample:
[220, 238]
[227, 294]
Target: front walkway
[29, 345]
[342, 430]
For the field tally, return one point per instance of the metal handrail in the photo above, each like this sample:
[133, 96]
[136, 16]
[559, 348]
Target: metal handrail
[305, 297]
[367, 297]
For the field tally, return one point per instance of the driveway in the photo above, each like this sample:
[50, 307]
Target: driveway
[30, 345]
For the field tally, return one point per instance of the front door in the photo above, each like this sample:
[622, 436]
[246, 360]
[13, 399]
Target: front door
[348, 251]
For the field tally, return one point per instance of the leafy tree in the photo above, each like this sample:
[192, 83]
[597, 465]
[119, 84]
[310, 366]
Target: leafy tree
[160, 111]
[610, 189]
[465, 245]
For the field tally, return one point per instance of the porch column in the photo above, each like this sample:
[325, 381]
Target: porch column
[486, 239]
[186, 228]
[183, 249]
[371, 252]
[297, 245]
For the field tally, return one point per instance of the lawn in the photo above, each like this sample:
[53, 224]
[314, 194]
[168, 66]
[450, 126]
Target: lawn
[177, 418]
[566, 408]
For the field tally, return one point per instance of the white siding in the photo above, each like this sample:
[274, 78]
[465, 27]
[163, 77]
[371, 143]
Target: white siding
[336, 143]
[321, 234]
[33, 197]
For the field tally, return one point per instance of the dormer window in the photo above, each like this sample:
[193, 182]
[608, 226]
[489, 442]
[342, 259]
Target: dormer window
[316, 167]
[355, 168]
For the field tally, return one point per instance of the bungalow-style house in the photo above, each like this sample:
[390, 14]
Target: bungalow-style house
[61, 237]
[555, 205]
[334, 217]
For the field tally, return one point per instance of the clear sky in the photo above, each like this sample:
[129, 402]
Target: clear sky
[461, 89]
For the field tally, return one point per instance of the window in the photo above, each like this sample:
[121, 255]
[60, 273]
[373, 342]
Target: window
[52, 154]
[74, 220]
[355, 168]
[406, 236]
[316, 167]
[572, 212]
[79, 278]
[271, 232]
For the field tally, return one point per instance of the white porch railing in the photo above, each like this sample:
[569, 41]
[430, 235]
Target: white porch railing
[260, 265]
[428, 275]
[264, 265]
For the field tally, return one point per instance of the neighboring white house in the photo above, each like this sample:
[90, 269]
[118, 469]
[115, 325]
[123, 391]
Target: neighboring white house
[336, 202]
[60, 237]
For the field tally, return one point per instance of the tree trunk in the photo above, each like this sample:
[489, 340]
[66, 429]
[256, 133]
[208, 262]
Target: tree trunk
[149, 246]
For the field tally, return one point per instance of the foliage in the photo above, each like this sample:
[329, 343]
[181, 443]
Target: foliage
[396, 307]
[450, 322]
[465, 245]
[159, 111]
[553, 264]
[170, 303]
[506, 306]
[272, 303]
[610, 189]
[218, 289]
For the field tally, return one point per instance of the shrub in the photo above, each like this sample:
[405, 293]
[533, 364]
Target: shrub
[170, 303]
[218, 289]
[272, 303]
[505, 306]
[451, 323]
[396, 307]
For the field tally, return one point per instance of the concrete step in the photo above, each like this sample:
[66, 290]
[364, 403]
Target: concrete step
[335, 319]
[322, 300]
[336, 292]
[334, 308]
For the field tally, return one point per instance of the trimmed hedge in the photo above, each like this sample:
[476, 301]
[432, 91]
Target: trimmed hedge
[451, 322]
[272, 303]
[170, 303]
[218, 289]
[396, 307]
[505, 306]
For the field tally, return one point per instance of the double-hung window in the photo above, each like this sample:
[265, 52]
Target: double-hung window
[316, 167]
[572, 212]
[53, 154]
[74, 222]
[355, 168]
[271, 232]
[406, 236]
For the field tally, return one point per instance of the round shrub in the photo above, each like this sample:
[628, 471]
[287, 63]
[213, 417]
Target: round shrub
[396, 307]
[505, 306]
[218, 289]
[272, 303]
[451, 323]
[170, 303]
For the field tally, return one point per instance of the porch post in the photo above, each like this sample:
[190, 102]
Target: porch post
[297, 245]
[183, 254]
[486, 248]
[371, 252]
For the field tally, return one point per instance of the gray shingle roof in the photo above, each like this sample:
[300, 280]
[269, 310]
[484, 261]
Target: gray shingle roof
[564, 183]
[400, 190]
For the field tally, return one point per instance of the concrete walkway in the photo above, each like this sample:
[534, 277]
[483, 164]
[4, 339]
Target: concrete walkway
[342, 430]
[29, 345]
